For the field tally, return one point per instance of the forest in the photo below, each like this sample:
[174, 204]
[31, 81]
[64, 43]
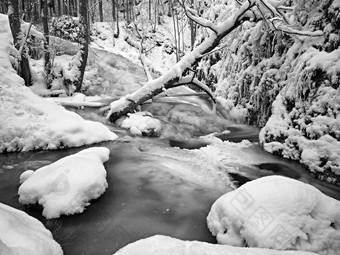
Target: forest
[170, 127]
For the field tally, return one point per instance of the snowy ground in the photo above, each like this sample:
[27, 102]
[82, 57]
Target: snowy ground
[170, 246]
[29, 122]
[22, 234]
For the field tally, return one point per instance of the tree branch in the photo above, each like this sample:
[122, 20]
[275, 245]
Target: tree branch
[192, 15]
[172, 77]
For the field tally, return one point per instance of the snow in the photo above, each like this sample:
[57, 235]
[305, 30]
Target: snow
[78, 100]
[22, 234]
[28, 122]
[142, 123]
[280, 213]
[67, 185]
[165, 245]
[25, 175]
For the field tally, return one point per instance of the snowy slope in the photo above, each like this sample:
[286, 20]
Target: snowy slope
[22, 234]
[67, 185]
[29, 122]
[165, 245]
[280, 213]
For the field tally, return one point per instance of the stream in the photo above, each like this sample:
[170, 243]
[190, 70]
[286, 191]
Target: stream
[163, 185]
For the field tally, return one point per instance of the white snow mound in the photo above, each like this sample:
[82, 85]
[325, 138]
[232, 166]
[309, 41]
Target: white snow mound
[22, 234]
[67, 185]
[165, 245]
[280, 213]
[142, 123]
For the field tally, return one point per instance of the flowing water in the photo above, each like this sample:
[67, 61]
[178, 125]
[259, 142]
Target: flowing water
[160, 185]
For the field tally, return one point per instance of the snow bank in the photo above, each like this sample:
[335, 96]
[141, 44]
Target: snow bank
[67, 185]
[142, 123]
[28, 122]
[22, 234]
[280, 213]
[308, 133]
[170, 246]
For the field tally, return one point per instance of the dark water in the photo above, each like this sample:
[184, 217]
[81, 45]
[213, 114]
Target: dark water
[142, 199]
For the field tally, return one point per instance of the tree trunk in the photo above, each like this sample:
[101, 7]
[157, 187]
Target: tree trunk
[93, 10]
[156, 15]
[76, 8]
[101, 18]
[116, 35]
[193, 27]
[84, 23]
[47, 61]
[59, 13]
[114, 10]
[14, 21]
[150, 10]
[128, 11]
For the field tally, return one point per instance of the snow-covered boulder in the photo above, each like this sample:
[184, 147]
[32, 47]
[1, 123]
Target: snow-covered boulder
[22, 234]
[142, 123]
[67, 185]
[29, 122]
[164, 245]
[280, 213]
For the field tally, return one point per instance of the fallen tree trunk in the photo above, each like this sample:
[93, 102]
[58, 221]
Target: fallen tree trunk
[172, 78]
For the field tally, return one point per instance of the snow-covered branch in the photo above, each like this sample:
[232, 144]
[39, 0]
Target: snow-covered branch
[269, 10]
[173, 77]
[278, 24]
[190, 79]
[192, 14]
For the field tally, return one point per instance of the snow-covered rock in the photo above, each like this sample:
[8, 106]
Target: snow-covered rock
[280, 213]
[28, 122]
[67, 185]
[165, 245]
[22, 234]
[142, 123]
[25, 175]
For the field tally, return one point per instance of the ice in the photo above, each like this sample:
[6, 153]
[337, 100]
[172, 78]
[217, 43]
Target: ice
[280, 213]
[22, 234]
[67, 185]
[170, 246]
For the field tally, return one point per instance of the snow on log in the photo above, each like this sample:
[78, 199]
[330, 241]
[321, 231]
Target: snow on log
[279, 213]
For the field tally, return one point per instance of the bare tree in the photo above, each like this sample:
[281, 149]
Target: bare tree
[47, 58]
[84, 42]
[101, 17]
[23, 63]
[255, 10]
[114, 10]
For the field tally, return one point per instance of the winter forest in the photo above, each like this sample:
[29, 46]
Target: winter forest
[175, 127]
